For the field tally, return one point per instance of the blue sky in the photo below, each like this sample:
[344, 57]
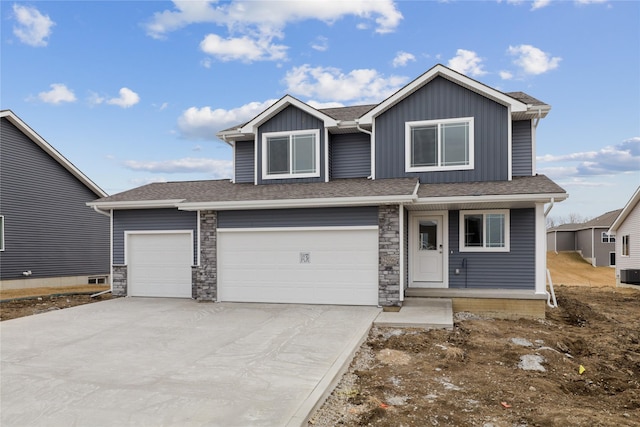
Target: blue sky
[134, 92]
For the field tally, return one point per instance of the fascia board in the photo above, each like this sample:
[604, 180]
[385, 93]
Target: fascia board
[297, 203]
[136, 204]
[449, 74]
[55, 154]
[635, 199]
[558, 197]
[250, 127]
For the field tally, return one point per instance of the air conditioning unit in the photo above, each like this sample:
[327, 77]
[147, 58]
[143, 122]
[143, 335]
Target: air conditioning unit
[630, 276]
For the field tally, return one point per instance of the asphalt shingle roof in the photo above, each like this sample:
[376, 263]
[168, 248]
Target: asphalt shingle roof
[226, 191]
[603, 221]
[538, 184]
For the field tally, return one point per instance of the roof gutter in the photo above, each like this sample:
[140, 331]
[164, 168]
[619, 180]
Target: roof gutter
[493, 198]
[298, 203]
[137, 204]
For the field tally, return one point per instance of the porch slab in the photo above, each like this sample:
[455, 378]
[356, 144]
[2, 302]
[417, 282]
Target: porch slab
[428, 313]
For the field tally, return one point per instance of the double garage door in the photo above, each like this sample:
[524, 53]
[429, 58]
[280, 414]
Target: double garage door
[280, 265]
[320, 266]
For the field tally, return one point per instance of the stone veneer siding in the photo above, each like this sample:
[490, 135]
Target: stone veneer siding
[389, 256]
[205, 275]
[119, 281]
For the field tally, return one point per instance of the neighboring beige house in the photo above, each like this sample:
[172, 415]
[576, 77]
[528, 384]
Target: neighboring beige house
[626, 228]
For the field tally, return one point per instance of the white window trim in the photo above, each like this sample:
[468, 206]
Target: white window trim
[1, 233]
[607, 238]
[507, 231]
[407, 145]
[267, 135]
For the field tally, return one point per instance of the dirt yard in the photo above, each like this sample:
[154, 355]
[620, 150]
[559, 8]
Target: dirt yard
[578, 367]
[26, 302]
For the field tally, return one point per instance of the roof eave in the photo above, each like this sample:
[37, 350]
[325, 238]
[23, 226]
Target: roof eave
[449, 74]
[538, 198]
[55, 154]
[635, 199]
[136, 204]
[298, 203]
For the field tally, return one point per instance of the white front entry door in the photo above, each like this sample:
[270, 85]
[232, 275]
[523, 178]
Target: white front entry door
[426, 251]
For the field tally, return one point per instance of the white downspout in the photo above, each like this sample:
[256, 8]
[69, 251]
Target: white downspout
[401, 227]
[552, 295]
[373, 149]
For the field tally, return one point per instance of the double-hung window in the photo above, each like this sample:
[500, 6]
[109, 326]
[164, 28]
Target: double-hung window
[439, 145]
[626, 249]
[608, 238]
[484, 231]
[291, 154]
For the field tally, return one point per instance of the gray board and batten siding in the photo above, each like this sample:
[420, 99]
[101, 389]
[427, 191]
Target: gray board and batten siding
[496, 270]
[291, 119]
[304, 217]
[49, 230]
[350, 155]
[442, 99]
[522, 148]
[244, 162]
[151, 220]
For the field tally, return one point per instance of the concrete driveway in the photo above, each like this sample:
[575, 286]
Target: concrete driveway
[171, 362]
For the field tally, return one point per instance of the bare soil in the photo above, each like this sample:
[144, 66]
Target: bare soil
[26, 302]
[578, 367]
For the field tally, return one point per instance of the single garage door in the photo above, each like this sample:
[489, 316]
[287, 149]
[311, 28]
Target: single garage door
[319, 266]
[159, 264]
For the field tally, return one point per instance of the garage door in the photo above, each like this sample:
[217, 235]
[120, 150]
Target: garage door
[319, 266]
[159, 264]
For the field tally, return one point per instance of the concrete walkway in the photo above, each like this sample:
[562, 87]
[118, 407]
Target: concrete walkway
[430, 313]
[171, 362]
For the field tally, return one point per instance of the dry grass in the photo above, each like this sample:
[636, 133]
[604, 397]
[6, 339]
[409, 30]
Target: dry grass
[37, 292]
[569, 268]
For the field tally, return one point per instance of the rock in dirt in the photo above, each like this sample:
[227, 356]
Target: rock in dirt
[393, 357]
[531, 362]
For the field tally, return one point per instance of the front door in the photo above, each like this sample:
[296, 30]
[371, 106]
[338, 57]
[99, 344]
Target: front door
[427, 251]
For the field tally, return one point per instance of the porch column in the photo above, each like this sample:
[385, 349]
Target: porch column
[389, 256]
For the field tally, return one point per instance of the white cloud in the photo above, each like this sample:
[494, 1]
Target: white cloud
[217, 168]
[33, 28]
[506, 75]
[467, 62]
[320, 44]
[270, 16]
[331, 84]
[253, 25]
[611, 160]
[127, 98]
[533, 60]
[586, 2]
[58, 94]
[203, 123]
[320, 105]
[243, 48]
[539, 4]
[402, 58]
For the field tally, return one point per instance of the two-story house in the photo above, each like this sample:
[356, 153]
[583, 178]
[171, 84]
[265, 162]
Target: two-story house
[432, 192]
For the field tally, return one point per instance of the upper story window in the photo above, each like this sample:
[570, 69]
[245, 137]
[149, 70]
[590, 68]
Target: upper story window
[608, 238]
[484, 231]
[433, 145]
[291, 154]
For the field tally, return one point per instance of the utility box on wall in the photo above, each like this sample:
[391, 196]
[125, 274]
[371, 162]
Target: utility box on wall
[630, 276]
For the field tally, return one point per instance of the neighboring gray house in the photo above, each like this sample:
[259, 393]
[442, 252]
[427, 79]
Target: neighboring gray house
[48, 236]
[432, 192]
[626, 229]
[590, 239]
